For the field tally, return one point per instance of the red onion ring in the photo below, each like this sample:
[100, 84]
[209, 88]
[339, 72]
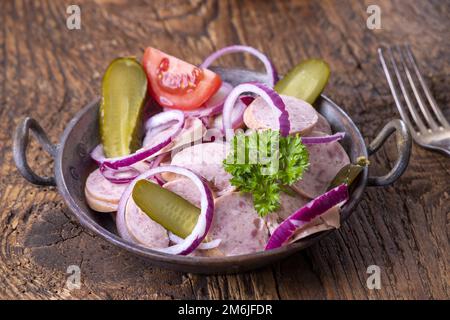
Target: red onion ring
[198, 234]
[324, 139]
[247, 99]
[126, 161]
[202, 246]
[272, 98]
[305, 214]
[155, 163]
[158, 120]
[237, 116]
[158, 180]
[163, 119]
[270, 69]
[214, 105]
[119, 176]
[206, 121]
[127, 174]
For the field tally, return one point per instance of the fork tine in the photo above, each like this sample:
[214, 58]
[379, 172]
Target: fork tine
[415, 115]
[437, 111]
[427, 115]
[398, 103]
[401, 110]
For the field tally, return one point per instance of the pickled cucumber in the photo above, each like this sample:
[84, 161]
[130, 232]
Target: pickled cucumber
[349, 173]
[305, 81]
[124, 90]
[173, 212]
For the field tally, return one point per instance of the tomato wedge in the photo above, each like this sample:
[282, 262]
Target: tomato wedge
[176, 84]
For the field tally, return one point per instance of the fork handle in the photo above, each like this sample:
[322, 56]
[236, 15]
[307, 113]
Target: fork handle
[404, 142]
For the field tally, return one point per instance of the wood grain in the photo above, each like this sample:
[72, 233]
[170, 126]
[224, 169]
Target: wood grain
[49, 72]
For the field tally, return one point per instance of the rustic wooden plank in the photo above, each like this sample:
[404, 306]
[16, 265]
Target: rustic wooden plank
[49, 72]
[413, 282]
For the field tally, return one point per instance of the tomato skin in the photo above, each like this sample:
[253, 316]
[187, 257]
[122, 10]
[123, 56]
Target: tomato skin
[177, 84]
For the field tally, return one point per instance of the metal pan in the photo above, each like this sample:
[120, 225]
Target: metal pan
[73, 165]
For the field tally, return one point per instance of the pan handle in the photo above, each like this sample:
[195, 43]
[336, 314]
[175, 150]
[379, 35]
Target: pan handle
[20, 145]
[404, 142]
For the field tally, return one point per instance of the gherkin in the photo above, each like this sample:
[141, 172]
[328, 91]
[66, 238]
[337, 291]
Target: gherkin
[124, 91]
[170, 210]
[305, 81]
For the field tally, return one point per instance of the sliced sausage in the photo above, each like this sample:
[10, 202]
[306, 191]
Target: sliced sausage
[325, 161]
[288, 205]
[101, 194]
[322, 125]
[99, 205]
[169, 176]
[302, 116]
[326, 221]
[206, 160]
[235, 114]
[237, 223]
[143, 229]
[186, 189]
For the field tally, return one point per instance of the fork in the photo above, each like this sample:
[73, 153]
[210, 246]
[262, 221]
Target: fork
[427, 131]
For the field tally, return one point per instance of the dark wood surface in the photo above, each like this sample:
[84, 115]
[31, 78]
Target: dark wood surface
[49, 73]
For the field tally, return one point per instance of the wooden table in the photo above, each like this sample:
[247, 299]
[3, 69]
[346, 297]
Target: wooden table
[49, 72]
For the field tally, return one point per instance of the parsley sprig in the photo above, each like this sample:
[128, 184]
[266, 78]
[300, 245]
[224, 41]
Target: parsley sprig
[263, 164]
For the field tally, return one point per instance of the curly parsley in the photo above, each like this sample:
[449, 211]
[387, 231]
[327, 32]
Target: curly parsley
[263, 164]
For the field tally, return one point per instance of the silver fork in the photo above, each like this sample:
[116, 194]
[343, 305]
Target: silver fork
[428, 131]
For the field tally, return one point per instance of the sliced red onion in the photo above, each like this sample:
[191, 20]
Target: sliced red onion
[126, 161]
[237, 116]
[312, 209]
[214, 105]
[247, 99]
[127, 174]
[158, 180]
[198, 234]
[270, 69]
[158, 120]
[206, 120]
[156, 162]
[164, 119]
[119, 176]
[323, 139]
[97, 154]
[202, 246]
[272, 98]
